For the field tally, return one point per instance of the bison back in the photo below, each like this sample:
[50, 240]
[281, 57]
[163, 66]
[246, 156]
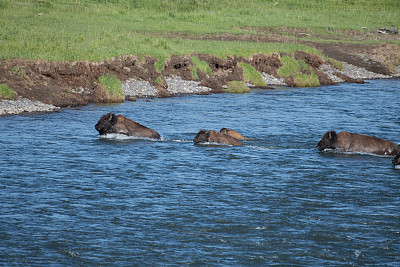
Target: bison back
[129, 127]
[364, 143]
[222, 138]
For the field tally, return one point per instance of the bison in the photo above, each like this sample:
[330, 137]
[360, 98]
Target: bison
[396, 161]
[233, 133]
[111, 123]
[357, 142]
[212, 136]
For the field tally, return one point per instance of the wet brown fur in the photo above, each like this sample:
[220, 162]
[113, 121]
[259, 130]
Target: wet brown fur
[357, 142]
[111, 123]
[212, 136]
[233, 133]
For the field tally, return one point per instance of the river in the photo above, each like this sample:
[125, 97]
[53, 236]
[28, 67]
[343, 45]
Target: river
[69, 197]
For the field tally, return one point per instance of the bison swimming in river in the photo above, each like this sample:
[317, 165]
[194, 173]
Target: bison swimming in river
[111, 123]
[357, 142]
[233, 133]
[212, 136]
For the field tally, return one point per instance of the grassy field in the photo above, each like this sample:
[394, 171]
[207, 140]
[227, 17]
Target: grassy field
[99, 29]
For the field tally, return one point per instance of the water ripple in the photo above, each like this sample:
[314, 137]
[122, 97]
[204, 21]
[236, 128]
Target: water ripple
[69, 197]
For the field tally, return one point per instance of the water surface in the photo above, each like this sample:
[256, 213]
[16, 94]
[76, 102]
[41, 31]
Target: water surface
[68, 197]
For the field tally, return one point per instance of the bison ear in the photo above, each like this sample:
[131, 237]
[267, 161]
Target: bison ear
[332, 135]
[112, 118]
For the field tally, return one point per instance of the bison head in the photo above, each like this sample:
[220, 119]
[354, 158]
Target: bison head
[201, 137]
[224, 130]
[327, 141]
[106, 124]
[396, 160]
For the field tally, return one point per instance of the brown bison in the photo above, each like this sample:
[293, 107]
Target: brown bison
[111, 123]
[357, 142]
[396, 161]
[233, 133]
[212, 136]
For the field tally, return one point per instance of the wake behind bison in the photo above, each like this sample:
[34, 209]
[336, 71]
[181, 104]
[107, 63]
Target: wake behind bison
[111, 123]
[357, 143]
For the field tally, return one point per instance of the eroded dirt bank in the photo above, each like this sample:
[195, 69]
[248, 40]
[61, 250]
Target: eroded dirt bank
[66, 84]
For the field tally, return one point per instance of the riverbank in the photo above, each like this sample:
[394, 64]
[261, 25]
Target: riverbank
[176, 86]
[53, 85]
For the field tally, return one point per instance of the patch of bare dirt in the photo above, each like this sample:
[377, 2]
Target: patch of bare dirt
[180, 66]
[358, 55]
[267, 63]
[354, 35]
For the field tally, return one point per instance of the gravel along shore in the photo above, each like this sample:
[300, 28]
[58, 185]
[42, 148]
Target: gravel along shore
[23, 105]
[177, 86]
[353, 72]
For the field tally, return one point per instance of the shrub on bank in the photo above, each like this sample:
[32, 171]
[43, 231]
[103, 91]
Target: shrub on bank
[237, 87]
[301, 74]
[251, 75]
[306, 80]
[6, 92]
[113, 87]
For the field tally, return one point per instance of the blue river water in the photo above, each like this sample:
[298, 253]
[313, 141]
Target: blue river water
[69, 197]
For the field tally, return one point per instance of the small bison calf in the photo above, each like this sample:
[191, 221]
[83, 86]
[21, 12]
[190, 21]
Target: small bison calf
[233, 133]
[212, 136]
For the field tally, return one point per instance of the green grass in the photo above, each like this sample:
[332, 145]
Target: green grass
[6, 92]
[337, 64]
[99, 29]
[237, 87]
[159, 80]
[290, 66]
[297, 69]
[303, 80]
[194, 73]
[251, 75]
[160, 63]
[202, 65]
[113, 87]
